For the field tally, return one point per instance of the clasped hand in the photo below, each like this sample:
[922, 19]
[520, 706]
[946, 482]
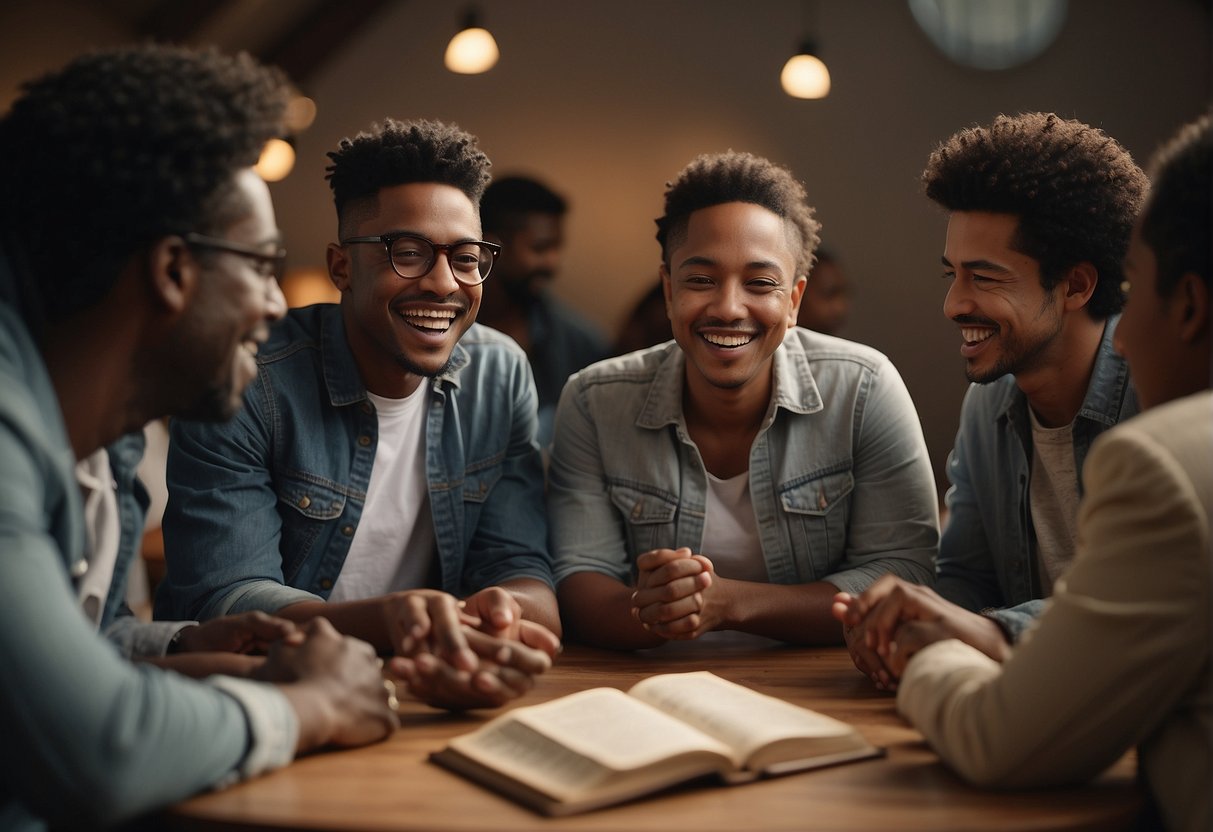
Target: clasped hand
[893, 619]
[475, 653]
[675, 597]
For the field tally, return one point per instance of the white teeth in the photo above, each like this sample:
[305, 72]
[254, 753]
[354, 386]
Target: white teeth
[972, 336]
[437, 320]
[728, 340]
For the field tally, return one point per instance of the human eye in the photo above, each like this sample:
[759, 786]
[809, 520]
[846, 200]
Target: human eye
[466, 258]
[948, 274]
[409, 250]
[763, 284]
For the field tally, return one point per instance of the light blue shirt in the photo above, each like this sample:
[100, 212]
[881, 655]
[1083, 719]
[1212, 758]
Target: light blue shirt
[987, 556]
[91, 740]
[262, 509]
[839, 474]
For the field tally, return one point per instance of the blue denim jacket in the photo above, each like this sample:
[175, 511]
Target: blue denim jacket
[262, 509]
[839, 474]
[987, 552]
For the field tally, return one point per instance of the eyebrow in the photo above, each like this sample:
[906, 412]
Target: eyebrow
[984, 265]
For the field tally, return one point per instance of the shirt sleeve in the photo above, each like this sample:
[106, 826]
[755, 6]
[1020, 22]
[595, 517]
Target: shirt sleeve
[140, 639]
[894, 522]
[1111, 656]
[90, 739]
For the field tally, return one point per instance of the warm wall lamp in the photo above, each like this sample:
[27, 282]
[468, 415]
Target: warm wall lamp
[278, 155]
[473, 49]
[805, 75]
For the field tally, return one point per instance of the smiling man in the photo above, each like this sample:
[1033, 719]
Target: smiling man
[1039, 214]
[733, 478]
[387, 444]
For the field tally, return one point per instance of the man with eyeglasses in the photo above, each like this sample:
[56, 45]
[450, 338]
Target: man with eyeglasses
[387, 444]
[136, 250]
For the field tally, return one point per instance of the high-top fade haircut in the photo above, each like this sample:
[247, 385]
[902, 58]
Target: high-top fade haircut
[401, 153]
[119, 149]
[510, 199]
[716, 179]
[1074, 190]
[1178, 218]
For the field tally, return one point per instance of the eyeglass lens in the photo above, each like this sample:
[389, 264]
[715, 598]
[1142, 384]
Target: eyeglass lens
[413, 257]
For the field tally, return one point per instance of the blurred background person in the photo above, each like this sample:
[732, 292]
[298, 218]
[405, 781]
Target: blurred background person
[526, 218]
[826, 303]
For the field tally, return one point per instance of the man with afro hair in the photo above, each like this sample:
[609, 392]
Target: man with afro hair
[1039, 214]
[739, 476]
[385, 460]
[138, 259]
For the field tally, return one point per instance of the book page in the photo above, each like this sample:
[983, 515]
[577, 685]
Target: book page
[570, 744]
[743, 719]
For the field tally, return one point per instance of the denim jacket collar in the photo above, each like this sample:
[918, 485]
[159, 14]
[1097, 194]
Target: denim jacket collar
[341, 375]
[793, 389]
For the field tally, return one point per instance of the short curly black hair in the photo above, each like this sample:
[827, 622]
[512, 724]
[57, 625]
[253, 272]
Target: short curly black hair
[403, 152]
[123, 147]
[1074, 190]
[1178, 218]
[716, 179]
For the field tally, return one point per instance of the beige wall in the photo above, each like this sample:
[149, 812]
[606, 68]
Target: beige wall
[608, 100]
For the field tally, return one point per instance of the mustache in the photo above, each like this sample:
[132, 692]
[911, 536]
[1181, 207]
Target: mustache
[973, 319]
[460, 303]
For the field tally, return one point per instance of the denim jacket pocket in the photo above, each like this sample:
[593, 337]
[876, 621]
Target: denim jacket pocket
[306, 507]
[817, 510]
[650, 518]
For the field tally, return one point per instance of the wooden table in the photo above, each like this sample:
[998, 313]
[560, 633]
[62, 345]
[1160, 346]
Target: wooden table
[390, 786]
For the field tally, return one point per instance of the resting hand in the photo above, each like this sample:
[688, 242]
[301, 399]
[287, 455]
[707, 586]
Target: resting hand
[506, 670]
[334, 684]
[428, 621]
[671, 589]
[247, 632]
[901, 618]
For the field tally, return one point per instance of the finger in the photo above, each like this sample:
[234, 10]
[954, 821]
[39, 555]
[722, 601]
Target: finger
[911, 637]
[498, 607]
[682, 628]
[538, 637]
[508, 653]
[448, 634]
[658, 557]
[665, 613]
[667, 593]
[668, 572]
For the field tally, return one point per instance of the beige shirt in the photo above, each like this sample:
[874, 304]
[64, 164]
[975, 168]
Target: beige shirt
[1122, 655]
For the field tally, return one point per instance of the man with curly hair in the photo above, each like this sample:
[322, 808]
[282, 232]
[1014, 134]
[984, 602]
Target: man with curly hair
[1121, 655]
[386, 446]
[738, 477]
[1040, 210]
[137, 279]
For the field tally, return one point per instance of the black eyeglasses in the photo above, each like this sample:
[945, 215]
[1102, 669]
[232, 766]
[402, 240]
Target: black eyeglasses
[413, 256]
[267, 265]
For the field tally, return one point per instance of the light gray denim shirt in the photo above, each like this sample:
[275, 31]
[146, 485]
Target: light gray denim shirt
[839, 473]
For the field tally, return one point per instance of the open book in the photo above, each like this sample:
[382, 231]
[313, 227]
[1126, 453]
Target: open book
[604, 746]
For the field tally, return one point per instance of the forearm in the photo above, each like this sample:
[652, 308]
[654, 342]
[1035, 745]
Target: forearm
[798, 614]
[201, 665]
[537, 600]
[365, 619]
[597, 610]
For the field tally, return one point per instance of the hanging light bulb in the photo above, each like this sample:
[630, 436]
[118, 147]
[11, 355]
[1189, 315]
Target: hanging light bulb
[473, 49]
[805, 75]
[277, 160]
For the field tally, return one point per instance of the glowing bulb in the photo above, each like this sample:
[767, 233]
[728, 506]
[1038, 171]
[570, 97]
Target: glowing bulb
[300, 113]
[805, 76]
[277, 160]
[471, 51]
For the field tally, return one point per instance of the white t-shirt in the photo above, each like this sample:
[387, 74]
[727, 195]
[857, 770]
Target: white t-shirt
[1053, 499]
[730, 530]
[102, 527]
[393, 547]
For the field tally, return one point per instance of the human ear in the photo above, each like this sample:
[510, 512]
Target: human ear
[338, 259]
[797, 296]
[1080, 282]
[172, 273]
[1190, 302]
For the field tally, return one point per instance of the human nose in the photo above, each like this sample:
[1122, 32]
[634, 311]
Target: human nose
[440, 279]
[958, 300]
[275, 305]
[728, 301]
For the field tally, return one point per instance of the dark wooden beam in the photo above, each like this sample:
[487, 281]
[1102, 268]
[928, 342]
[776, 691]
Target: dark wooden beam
[317, 36]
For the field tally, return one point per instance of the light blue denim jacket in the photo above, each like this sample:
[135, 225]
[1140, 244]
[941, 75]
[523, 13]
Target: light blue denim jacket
[839, 474]
[987, 555]
[262, 509]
